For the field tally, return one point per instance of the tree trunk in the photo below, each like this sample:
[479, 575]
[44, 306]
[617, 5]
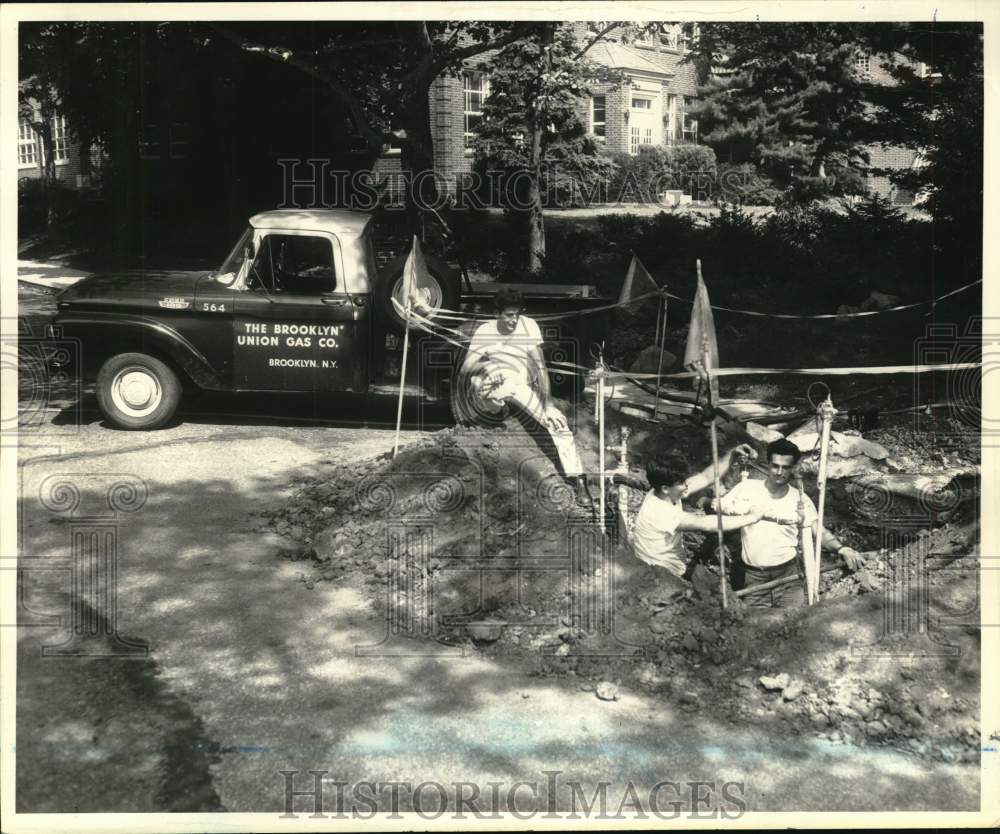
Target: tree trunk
[43, 127]
[417, 157]
[536, 217]
[537, 125]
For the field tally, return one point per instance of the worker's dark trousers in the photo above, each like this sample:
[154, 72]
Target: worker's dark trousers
[790, 595]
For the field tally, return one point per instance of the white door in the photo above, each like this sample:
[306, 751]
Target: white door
[645, 120]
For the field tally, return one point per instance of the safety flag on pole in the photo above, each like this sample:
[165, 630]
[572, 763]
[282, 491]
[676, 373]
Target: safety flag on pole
[417, 283]
[702, 333]
[638, 282]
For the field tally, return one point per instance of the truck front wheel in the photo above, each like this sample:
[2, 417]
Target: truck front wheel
[136, 391]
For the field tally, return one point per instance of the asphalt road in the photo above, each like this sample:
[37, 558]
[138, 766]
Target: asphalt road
[229, 670]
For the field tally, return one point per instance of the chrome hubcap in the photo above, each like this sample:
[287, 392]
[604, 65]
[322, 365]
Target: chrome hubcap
[136, 392]
[429, 296]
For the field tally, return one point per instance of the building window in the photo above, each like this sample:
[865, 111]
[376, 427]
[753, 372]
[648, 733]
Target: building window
[646, 38]
[476, 90]
[393, 146]
[671, 118]
[670, 36]
[689, 126]
[179, 139]
[863, 64]
[60, 141]
[149, 142]
[27, 144]
[97, 156]
[639, 136]
[689, 36]
[642, 104]
[598, 116]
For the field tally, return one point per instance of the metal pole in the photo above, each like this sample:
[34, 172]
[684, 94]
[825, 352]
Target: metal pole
[713, 432]
[406, 348]
[623, 533]
[659, 312]
[600, 436]
[659, 365]
[826, 413]
[805, 538]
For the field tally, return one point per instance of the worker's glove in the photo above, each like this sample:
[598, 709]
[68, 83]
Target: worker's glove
[853, 559]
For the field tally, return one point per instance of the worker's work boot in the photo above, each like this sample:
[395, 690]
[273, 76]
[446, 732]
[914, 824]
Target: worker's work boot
[583, 496]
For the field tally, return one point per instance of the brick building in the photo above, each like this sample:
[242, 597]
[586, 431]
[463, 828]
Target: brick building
[649, 108]
[69, 167]
[884, 159]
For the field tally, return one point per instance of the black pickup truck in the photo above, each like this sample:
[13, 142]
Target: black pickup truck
[299, 305]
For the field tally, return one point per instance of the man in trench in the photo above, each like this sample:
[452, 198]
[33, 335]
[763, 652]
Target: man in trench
[503, 361]
[770, 546]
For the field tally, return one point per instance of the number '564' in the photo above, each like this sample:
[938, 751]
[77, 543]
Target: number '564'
[213, 308]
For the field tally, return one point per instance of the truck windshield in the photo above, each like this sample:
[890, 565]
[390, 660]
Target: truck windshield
[234, 265]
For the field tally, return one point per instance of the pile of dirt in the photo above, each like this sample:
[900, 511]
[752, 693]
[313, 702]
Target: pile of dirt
[472, 539]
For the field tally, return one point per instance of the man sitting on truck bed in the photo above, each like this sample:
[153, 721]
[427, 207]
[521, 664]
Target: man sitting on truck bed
[500, 360]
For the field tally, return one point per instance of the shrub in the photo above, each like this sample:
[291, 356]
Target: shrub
[745, 185]
[34, 199]
[644, 177]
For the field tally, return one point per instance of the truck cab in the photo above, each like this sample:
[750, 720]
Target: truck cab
[298, 305]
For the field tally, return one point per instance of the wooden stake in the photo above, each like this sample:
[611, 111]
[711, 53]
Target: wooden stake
[713, 432]
[402, 368]
[623, 533]
[826, 413]
[659, 312]
[600, 435]
[659, 365]
[805, 537]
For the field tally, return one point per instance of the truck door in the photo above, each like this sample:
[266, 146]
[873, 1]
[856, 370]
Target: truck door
[296, 327]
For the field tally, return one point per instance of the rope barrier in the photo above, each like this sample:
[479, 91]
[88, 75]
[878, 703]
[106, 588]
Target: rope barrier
[579, 370]
[456, 315]
[883, 369]
[858, 314]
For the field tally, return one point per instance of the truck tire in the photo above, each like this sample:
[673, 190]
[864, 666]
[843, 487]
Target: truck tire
[446, 289]
[136, 391]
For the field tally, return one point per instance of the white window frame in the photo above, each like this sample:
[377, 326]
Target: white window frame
[689, 126]
[671, 118]
[647, 39]
[670, 37]
[863, 64]
[27, 144]
[603, 124]
[60, 141]
[647, 107]
[468, 78]
[633, 144]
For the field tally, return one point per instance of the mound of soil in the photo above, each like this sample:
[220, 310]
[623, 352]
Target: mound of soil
[471, 538]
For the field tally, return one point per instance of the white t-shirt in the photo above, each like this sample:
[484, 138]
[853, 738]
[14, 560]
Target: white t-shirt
[655, 537]
[767, 544]
[510, 349]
